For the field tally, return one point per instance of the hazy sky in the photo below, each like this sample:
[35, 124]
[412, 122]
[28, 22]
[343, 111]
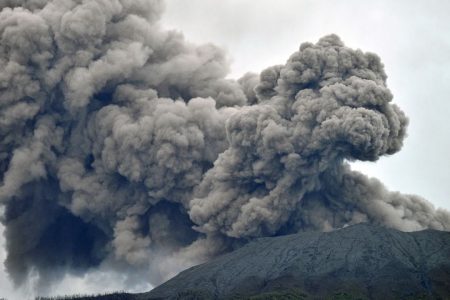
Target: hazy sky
[411, 37]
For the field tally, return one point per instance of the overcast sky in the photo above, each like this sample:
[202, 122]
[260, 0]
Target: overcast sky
[411, 37]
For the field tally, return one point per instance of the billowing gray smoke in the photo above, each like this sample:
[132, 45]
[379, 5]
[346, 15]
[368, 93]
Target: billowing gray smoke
[124, 145]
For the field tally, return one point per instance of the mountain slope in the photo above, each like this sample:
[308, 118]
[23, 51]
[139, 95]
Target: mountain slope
[361, 261]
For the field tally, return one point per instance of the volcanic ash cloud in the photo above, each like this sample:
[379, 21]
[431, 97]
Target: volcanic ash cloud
[123, 146]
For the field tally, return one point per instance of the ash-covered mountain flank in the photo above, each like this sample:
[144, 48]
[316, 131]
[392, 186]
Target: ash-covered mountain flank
[358, 262]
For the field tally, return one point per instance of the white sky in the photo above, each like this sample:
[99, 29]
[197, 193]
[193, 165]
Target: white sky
[411, 37]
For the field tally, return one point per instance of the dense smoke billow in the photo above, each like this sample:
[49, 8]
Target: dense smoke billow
[124, 145]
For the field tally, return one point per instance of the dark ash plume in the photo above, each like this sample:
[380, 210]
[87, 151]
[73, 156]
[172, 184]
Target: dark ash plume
[124, 145]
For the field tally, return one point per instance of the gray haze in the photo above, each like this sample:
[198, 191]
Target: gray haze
[411, 37]
[124, 148]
